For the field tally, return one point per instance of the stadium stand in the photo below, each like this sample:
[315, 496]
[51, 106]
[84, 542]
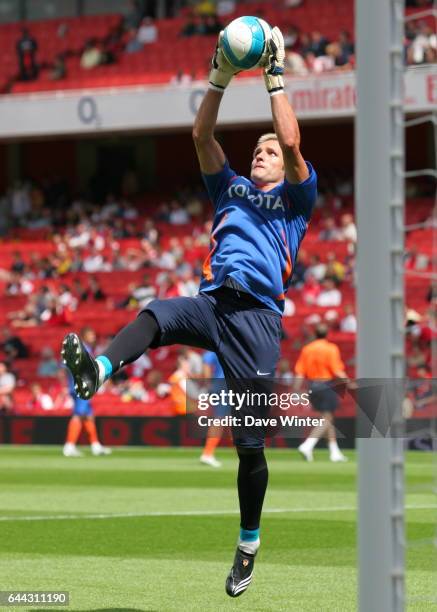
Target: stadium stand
[187, 245]
[161, 61]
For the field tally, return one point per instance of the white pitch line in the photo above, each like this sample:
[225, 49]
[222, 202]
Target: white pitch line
[89, 517]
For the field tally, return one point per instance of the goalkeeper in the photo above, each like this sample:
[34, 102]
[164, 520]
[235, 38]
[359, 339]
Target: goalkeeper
[259, 223]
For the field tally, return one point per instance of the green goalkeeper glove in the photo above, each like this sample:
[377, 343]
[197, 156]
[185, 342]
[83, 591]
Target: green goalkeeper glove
[274, 68]
[222, 71]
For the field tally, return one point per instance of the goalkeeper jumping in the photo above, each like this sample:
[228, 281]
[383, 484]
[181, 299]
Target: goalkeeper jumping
[259, 223]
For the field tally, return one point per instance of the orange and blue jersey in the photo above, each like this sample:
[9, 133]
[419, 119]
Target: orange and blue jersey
[256, 234]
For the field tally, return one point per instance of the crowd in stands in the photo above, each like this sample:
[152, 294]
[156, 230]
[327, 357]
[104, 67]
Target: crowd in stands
[89, 238]
[308, 51]
[420, 43]
[313, 53]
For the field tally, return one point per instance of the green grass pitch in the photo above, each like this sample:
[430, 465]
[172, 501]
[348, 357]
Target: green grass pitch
[153, 530]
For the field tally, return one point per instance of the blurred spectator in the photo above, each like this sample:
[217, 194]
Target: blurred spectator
[18, 285]
[139, 294]
[18, 264]
[178, 215]
[331, 319]
[349, 322]
[225, 7]
[295, 64]
[431, 296]
[319, 64]
[317, 44]
[311, 289]
[150, 233]
[205, 8]
[141, 365]
[7, 386]
[40, 400]
[89, 337]
[415, 260]
[329, 295]
[58, 70]
[128, 211]
[335, 270]
[192, 27]
[412, 322]
[26, 50]
[48, 365]
[337, 57]
[111, 207]
[292, 38]
[27, 317]
[416, 358]
[165, 260]
[316, 268]
[178, 384]
[196, 361]
[62, 30]
[212, 25]
[96, 290]
[78, 236]
[66, 298]
[133, 390]
[21, 204]
[113, 44]
[93, 262]
[147, 32]
[156, 388]
[330, 231]
[133, 45]
[46, 268]
[284, 373]
[43, 299]
[424, 45]
[59, 391]
[289, 307]
[79, 290]
[92, 55]
[13, 346]
[348, 229]
[347, 46]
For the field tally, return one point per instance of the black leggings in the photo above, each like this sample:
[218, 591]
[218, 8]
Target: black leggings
[132, 341]
[253, 476]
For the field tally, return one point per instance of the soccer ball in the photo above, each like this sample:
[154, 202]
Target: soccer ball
[244, 42]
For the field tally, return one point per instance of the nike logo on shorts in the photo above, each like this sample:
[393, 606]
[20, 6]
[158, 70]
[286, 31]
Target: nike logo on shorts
[262, 373]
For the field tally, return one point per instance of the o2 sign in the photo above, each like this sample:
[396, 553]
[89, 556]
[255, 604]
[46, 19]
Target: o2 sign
[88, 112]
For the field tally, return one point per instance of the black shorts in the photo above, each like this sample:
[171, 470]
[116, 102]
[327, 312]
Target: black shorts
[243, 333]
[323, 397]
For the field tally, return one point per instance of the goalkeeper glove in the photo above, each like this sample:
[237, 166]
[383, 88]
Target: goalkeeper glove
[274, 68]
[222, 71]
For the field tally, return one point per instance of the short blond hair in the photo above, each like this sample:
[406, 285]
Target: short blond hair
[265, 137]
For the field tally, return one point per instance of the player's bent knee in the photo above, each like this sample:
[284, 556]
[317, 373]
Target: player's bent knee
[148, 321]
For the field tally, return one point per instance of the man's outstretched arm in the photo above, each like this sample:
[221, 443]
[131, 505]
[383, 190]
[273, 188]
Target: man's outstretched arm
[284, 120]
[210, 154]
[287, 130]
